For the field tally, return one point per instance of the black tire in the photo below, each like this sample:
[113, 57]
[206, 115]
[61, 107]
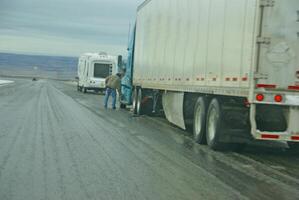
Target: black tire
[214, 125]
[199, 121]
[144, 103]
[134, 100]
[84, 90]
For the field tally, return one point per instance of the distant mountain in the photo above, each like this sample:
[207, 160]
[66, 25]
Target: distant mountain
[40, 66]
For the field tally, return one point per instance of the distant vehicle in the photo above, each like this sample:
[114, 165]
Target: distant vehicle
[34, 79]
[223, 68]
[93, 68]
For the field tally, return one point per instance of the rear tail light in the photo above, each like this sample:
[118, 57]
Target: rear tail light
[278, 98]
[268, 136]
[266, 86]
[295, 137]
[260, 97]
[293, 87]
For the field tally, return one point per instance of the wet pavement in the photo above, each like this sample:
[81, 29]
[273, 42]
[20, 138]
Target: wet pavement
[57, 143]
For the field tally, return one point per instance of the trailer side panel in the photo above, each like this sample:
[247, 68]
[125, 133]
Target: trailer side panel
[196, 45]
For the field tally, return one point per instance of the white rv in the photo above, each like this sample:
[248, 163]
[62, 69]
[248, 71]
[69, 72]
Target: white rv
[93, 68]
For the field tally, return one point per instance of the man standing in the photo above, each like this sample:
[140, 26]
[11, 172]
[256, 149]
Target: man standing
[113, 83]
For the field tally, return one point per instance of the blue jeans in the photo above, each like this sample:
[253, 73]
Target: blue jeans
[112, 92]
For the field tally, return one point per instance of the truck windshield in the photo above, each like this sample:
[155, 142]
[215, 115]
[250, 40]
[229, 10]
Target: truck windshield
[101, 70]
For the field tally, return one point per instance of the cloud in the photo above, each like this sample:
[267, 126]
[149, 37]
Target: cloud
[94, 23]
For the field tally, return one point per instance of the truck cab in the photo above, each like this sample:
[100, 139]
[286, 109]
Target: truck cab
[127, 80]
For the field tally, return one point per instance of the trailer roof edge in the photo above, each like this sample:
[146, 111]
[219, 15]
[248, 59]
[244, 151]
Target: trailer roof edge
[143, 4]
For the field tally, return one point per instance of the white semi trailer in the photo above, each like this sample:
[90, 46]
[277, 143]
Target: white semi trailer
[227, 68]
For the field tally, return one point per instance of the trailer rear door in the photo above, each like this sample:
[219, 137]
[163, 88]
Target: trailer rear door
[279, 44]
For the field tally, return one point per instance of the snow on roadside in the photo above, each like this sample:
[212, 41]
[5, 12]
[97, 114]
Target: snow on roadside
[3, 82]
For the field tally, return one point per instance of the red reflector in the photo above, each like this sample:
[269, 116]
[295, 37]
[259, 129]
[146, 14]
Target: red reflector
[295, 137]
[278, 98]
[265, 86]
[260, 97]
[270, 136]
[293, 87]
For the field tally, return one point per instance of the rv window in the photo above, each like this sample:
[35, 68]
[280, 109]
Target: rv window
[101, 70]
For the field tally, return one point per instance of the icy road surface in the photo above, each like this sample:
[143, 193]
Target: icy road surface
[56, 143]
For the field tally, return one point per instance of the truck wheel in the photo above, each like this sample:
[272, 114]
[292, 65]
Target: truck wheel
[199, 122]
[134, 99]
[214, 125]
[144, 103]
[84, 90]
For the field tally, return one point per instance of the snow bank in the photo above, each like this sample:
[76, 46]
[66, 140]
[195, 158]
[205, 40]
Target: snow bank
[2, 82]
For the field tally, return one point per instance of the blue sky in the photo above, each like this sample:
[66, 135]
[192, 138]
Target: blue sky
[65, 27]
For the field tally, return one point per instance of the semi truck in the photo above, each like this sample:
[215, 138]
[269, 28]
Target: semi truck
[93, 68]
[227, 69]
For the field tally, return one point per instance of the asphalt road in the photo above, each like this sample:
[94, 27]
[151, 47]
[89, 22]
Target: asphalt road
[57, 143]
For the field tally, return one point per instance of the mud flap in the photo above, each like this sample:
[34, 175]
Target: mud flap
[173, 108]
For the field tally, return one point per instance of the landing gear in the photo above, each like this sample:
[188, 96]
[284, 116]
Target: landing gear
[156, 103]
